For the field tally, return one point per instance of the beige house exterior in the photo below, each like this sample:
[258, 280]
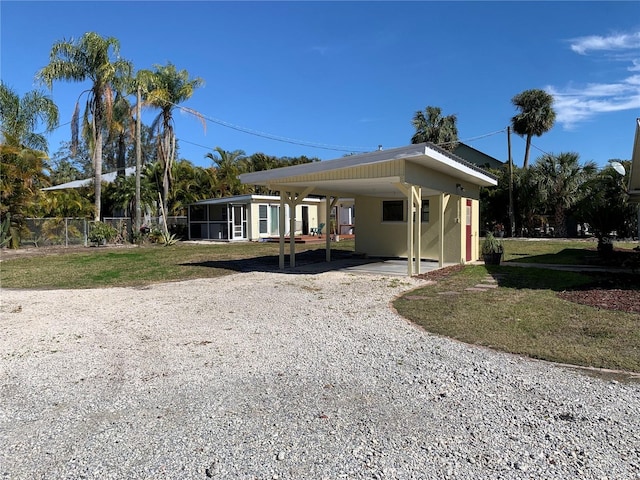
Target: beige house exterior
[249, 218]
[416, 202]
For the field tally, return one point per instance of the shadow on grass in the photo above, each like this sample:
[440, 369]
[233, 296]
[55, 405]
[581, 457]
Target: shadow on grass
[310, 261]
[581, 256]
[560, 281]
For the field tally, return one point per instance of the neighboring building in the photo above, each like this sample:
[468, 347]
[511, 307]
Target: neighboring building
[87, 182]
[478, 158]
[256, 217]
[248, 217]
[416, 202]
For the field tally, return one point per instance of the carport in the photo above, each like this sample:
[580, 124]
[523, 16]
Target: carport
[403, 176]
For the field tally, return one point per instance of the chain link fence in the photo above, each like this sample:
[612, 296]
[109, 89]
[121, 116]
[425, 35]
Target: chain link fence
[47, 232]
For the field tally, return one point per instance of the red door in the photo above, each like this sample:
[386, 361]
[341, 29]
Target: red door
[468, 230]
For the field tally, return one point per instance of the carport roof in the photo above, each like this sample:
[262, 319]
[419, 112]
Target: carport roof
[425, 154]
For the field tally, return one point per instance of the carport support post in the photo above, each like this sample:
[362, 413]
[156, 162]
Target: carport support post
[414, 221]
[329, 205]
[292, 200]
[281, 228]
[441, 236]
[414, 225]
[416, 194]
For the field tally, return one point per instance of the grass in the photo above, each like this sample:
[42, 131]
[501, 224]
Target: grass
[557, 251]
[139, 266]
[525, 316]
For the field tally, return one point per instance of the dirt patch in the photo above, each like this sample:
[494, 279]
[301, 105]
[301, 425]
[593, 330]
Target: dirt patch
[620, 291]
[613, 299]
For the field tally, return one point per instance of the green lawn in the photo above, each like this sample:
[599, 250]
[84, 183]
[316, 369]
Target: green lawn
[138, 266]
[524, 315]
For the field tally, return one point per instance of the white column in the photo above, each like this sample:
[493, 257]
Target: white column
[281, 228]
[292, 231]
[410, 220]
[417, 197]
[441, 233]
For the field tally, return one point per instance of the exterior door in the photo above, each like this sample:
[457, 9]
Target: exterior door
[468, 233]
[305, 220]
[238, 222]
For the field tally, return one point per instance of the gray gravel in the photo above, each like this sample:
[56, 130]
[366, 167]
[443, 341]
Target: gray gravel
[268, 375]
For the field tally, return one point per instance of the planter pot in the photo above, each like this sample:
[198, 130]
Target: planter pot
[492, 258]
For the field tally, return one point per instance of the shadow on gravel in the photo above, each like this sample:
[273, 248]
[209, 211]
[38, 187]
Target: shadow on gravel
[312, 261]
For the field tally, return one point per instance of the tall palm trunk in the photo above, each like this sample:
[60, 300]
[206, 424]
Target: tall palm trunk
[560, 218]
[97, 165]
[527, 149]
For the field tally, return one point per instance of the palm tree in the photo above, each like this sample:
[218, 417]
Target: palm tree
[432, 127]
[536, 116]
[23, 152]
[228, 166]
[166, 89]
[560, 179]
[89, 59]
[19, 117]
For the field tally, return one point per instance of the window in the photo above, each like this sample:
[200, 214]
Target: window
[425, 211]
[263, 218]
[393, 211]
[198, 213]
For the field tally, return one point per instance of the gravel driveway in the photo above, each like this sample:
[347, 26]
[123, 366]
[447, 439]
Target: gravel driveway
[269, 375]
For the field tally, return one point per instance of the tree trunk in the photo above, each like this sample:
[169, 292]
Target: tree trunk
[561, 221]
[138, 162]
[527, 149]
[97, 165]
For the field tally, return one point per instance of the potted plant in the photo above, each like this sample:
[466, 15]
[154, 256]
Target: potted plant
[492, 250]
[101, 233]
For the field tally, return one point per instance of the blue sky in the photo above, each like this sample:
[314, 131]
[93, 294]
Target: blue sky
[349, 76]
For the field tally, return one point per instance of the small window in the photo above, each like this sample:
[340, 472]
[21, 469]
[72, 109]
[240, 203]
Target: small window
[393, 211]
[425, 211]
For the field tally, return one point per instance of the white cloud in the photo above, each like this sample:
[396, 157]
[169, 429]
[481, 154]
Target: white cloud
[582, 45]
[575, 104]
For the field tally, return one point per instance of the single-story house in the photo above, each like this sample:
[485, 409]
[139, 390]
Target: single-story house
[255, 217]
[416, 202]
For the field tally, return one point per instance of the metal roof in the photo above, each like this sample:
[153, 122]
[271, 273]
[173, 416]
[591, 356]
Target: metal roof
[427, 155]
[106, 177]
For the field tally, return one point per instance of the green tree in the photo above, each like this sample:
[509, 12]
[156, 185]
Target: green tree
[228, 166]
[191, 185]
[560, 179]
[605, 204]
[166, 89]
[95, 59]
[432, 127]
[19, 117]
[23, 153]
[536, 116]
[68, 202]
